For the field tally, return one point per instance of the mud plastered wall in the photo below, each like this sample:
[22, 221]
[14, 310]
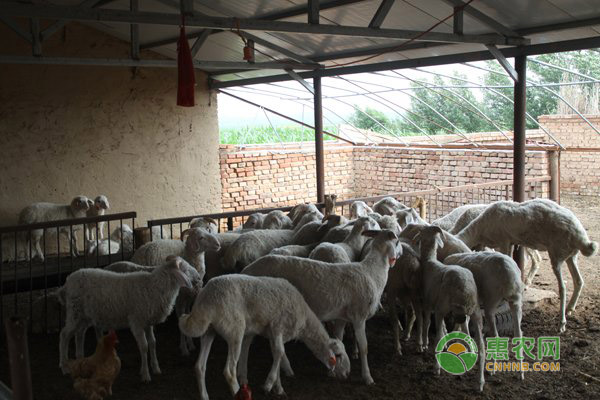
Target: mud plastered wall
[69, 130]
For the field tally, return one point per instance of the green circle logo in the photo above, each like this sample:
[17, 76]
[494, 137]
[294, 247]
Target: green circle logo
[456, 353]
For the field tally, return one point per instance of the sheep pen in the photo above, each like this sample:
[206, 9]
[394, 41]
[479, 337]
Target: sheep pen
[396, 376]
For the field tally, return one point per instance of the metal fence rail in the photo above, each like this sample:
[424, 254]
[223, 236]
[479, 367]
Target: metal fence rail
[25, 278]
[440, 201]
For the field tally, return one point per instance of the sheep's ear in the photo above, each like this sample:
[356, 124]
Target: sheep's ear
[371, 233]
[439, 241]
[210, 220]
[416, 237]
[185, 233]
[90, 202]
[436, 229]
[390, 235]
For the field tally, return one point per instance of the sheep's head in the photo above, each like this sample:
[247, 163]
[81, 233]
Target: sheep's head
[176, 267]
[385, 242]
[312, 216]
[359, 209]
[254, 221]
[193, 275]
[390, 223]
[430, 236]
[275, 219]
[206, 223]
[121, 232]
[364, 224]
[338, 361]
[329, 222]
[198, 240]
[407, 216]
[80, 203]
[101, 203]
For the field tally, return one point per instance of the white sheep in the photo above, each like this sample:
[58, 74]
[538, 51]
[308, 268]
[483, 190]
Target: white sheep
[348, 292]
[359, 209]
[300, 210]
[44, 212]
[239, 307]
[388, 206]
[541, 225]
[447, 290]
[349, 250]
[294, 250]
[193, 250]
[254, 221]
[208, 224]
[404, 284]
[448, 221]
[452, 244]
[409, 216]
[277, 219]
[98, 207]
[111, 300]
[498, 279]
[252, 245]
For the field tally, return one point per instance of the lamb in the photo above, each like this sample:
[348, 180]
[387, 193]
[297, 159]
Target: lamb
[254, 221]
[252, 245]
[193, 251]
[541, 225]
[206, 223]
[300, 210]
[98, 207]
[277, 219]
[498, 279]
[350, 292]
[452, 245]
[359, 209]
[348, 250]
[448, 221]
[120, 235]
[409, 216]
[239, 307]
[313, 228]
[388, 206]
[340, 232]
[447, 290]
[330, 200]
[294, 250]
[111, 300]
[43, 212]
[404, 284]
[212, 258]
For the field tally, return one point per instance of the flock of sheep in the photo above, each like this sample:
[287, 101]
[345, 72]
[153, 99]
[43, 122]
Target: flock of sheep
[283, 275]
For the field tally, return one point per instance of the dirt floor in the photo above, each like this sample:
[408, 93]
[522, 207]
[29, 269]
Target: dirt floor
[410, 375]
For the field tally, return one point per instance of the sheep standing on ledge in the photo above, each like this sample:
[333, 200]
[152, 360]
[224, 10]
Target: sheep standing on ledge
[44, 212]
[541, 225]
[98, 207]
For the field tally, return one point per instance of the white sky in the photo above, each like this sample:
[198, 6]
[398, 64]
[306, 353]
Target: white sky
[289, 97]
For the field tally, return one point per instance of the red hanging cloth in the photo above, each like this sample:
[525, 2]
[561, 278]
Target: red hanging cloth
[186, 80]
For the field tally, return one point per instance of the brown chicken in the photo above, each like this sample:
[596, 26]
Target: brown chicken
[95, 375]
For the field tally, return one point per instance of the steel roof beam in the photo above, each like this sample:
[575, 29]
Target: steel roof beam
[147, 63]
[277, 48]
[481, 17]
[200, 41]
[313, 12]
[16, 28]
[297, 78]
[381, 13]
[144, 17]
[503, 62]
[49, 31]
[552, 47]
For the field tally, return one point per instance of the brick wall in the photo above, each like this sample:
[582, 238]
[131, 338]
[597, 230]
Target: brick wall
[579, 171]
[267, 176]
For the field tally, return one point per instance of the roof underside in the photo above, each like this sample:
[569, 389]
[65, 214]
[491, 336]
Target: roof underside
[576, 19]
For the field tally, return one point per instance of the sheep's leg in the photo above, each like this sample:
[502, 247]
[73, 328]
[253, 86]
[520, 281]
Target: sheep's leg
[517, 314]
[419, 314]
[152, 346]
[535, 265]
[140, 338]
[439, 333]
[562, 292]
[480, 347]
[242, 367]
[393, 317]
[577, 283]
[465, 325]
[361, 336]
[65, 337]
[338, 328]
[205, 344]
[234, 344]
[37, 238]
[411, 316]
[286, 367]
[277, 350]
[426, 323]
[490, 317]
[79, 342]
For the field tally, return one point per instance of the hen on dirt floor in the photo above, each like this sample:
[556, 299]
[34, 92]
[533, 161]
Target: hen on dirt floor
[93, 376]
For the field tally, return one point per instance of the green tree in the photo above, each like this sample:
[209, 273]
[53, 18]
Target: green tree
[441, 111]
[371, 119]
